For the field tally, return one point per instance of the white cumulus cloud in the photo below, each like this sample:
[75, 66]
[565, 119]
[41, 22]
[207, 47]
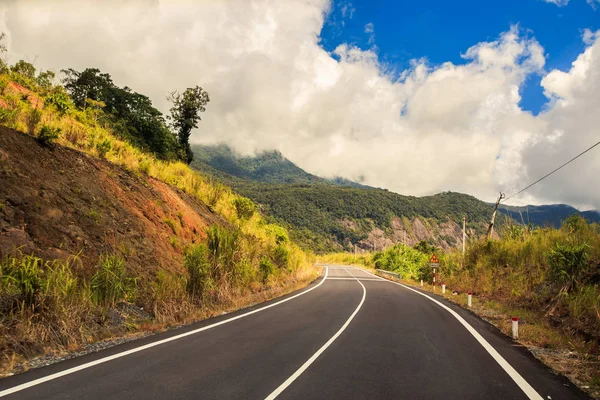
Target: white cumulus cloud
[437, 127]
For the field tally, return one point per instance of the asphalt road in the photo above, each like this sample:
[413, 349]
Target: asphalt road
[350, 335]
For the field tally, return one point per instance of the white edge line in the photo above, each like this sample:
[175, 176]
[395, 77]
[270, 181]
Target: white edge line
[50, 377]
[307, 364]
[515, 376]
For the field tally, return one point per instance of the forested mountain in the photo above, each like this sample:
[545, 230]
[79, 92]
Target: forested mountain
[325, 215]
[267, 167]
[547, 215]
[338, 214]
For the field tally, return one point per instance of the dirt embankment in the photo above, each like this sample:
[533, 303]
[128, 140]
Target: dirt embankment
[55, 202]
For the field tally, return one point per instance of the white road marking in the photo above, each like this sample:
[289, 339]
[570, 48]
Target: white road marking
[515, 376]
[47, 378]
[307, 364]
[353, 279]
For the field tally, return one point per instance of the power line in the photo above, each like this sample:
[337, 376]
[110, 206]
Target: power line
[547, 175]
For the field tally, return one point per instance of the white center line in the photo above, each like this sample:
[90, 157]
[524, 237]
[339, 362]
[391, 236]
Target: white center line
[47, 378]
[307, 364]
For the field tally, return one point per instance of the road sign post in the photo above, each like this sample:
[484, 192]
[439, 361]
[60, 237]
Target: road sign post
[434, 263]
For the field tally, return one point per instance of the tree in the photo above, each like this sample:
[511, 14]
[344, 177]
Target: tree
[3, 66]
[130, 114]
[185, 115]
[89, 84]
[45, 79]
[24, 68]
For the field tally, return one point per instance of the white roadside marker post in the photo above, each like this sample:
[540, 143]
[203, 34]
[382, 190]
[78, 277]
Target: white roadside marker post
[443, 287]
[470, 299]
[515, 327]
[421, 282]
[434, 263]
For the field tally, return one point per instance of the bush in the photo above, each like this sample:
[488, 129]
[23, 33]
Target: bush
[567, 262]
[266, 268]
[281, 256]
[110, 284]
[406, 261]
[59, 100]
[196, 262]
[103, 148]
[48, 134]
[244, 207]
[33, 118]
[24, 277]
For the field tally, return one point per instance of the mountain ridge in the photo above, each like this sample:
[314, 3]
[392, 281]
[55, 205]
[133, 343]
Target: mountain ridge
[324, 215]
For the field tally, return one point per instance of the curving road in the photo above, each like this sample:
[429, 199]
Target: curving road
[349, 335]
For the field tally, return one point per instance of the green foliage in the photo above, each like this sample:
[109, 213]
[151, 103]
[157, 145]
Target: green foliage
[281, 256]
[45, 79]
[575, 224]
[567, 262]
[103, 147]
[222, 244]
[244, 207]
[266, 268]
[425, 248]
[3, 83]
[60, 100]
[24, 68]
[48, 134]
[130, 114]
[404, 260]
[196, 262]
[3, 67]
[33, 118]
[110, 284]
[25, 274]
[185, 115]
[8, 117]
[35, 282]
[514, 232]
[280, 233]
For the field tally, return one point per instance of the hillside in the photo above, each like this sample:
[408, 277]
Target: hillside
[324, 216]
[104, 232]
[58, 202]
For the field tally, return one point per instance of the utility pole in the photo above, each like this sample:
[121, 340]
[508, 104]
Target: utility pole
[490, 231]
[464, 233]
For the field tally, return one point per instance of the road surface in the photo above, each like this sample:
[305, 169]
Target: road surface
[349, 335]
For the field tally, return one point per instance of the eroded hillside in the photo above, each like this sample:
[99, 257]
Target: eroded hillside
[58, 201]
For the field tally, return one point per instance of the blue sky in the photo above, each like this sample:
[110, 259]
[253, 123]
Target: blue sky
[442, 30]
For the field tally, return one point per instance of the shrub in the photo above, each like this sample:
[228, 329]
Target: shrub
[48, 134]
[244, 207]
[266, 268]
[567, 262]
[103, 147]
[33, 118]
[110, 284]
[281, 256]
[23, 275]
[197, 264]
[59, 100]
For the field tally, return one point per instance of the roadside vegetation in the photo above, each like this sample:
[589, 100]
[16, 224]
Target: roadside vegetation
[58, 305]
[548, 277]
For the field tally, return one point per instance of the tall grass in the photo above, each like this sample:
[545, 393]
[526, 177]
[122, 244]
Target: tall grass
[110, 284]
